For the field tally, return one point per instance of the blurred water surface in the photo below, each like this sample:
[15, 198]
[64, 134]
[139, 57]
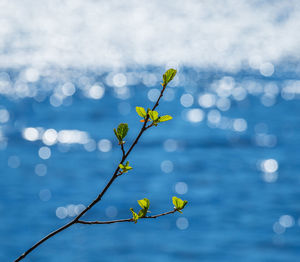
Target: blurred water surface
[232, 151]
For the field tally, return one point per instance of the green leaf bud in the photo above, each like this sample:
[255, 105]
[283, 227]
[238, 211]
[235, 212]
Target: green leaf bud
[153, 115]
[141, 111]
[144, 203]
[135, 216]
[164, 118]
[122, 130]
[179, 204]
[168, 76]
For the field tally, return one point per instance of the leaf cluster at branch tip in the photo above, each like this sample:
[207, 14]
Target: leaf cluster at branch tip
[141, 111]
[135, 216]
[125, 168]
[121, 132]
[144, 204]
[168, 76]
[153, 115]
[179, 204]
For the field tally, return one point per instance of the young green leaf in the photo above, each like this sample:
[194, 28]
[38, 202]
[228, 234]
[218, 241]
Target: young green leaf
[168, 76]
[117, 135]
[142, 213]
[141, 111]
[164, 118]
[122, 130]
[153, 115]
[144, 203]
[175, 201]
[135, 216]
[179, 204]
[128, 168]
[125, 168]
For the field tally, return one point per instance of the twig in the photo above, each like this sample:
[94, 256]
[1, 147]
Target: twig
[99, 197]
[149, 126]
[122, 220]
[123, 150]
[160, 96]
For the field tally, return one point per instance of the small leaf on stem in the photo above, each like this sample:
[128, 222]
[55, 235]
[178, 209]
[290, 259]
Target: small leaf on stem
[153, 115]
[141, 111]
[142, 213]
[144, 203]
[164, 118]
[122, 130]
[179, 204]
[168, 76]
[135, 216]
[117, 135]
[125, 168]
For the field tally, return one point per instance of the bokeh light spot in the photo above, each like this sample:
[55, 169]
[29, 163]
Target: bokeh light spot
[286, 221]
[267, 69]
[61, 212]
[167, 166]
[270, 177]
[50, 137]
[278, 229]
[223, 104]
[14, 161]
[214, 117]
[96, 92]
[170, 145]
[153, 94]
[207, 100]
[40, 169]
[44, 152]
[181, 188]
[240, 125]
[68, 89]
[182, 223]
[45, 194]
[187, 100]
[32, 75]
[30, 134]
[195, 115]
[4, 116]
[104, 145]
[90, 146]
[269, 165]
[119, 80]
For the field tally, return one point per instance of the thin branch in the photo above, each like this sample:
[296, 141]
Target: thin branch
[120, 173]
[122, 220]
[99, 197]
[104, 222]
[123, 150]
[163, 214]
[149, 126]
[160, 96]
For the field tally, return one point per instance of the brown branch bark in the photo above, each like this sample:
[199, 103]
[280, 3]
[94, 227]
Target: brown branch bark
[123, 150]
[122, 220]
[99, 197]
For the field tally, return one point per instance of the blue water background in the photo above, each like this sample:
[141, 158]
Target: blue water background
[233, 212]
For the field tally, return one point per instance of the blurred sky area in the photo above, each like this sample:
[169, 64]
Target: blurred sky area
[231, 35]
[71, 71]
